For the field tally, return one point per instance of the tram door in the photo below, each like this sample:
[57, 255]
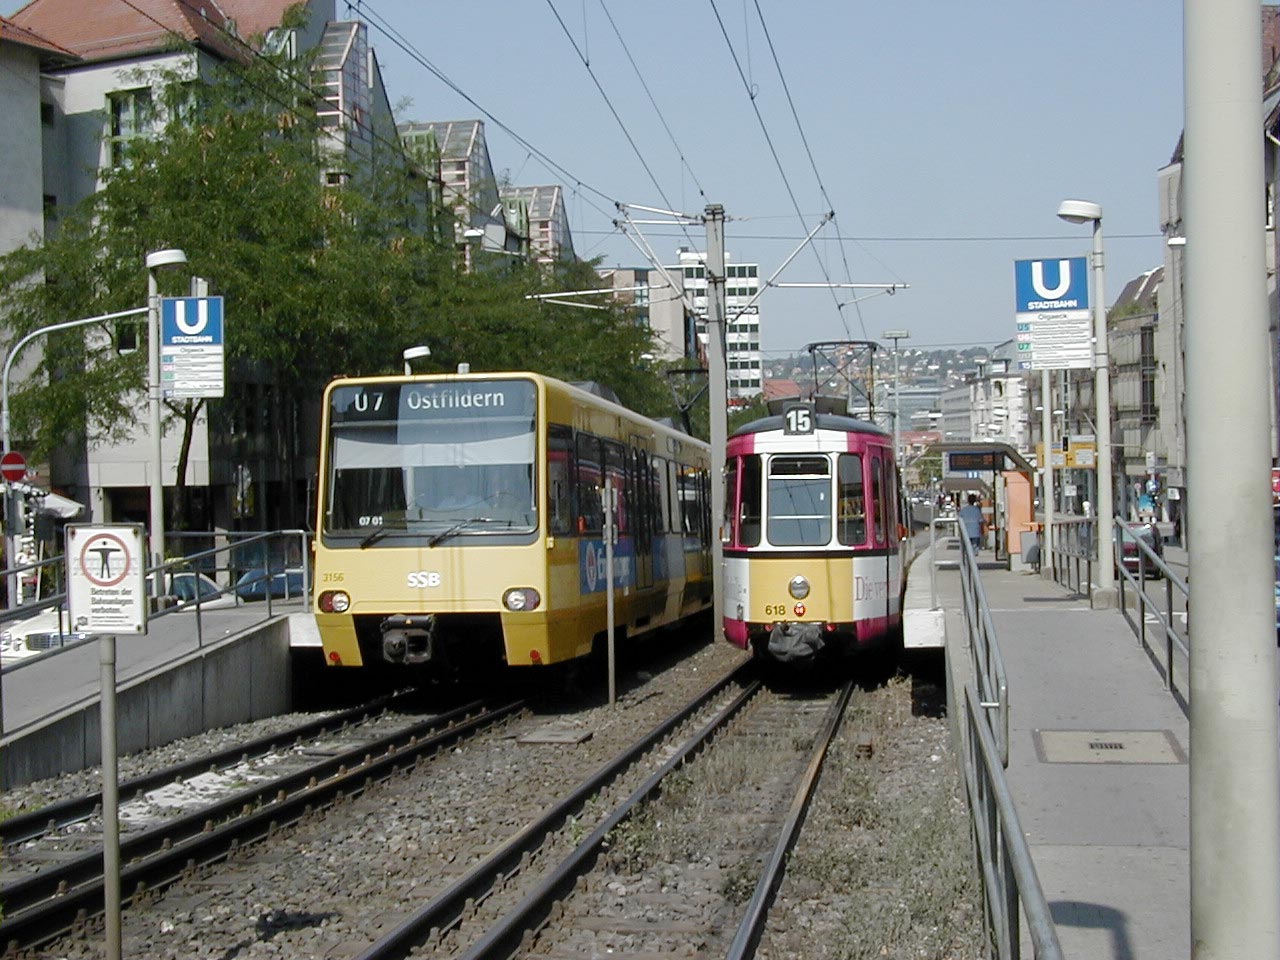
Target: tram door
[641, 484]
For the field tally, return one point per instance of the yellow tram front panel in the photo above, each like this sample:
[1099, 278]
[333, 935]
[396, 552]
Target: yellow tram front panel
[840, 589]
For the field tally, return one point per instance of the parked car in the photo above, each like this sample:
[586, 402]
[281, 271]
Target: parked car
[255, 582]
[185, 585]
[1148, 534]
[44, 631]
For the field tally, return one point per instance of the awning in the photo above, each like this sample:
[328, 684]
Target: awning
[46, 502]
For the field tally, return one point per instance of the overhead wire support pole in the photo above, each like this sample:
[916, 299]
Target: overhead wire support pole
[718, 402]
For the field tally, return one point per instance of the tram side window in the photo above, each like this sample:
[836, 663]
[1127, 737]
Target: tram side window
[559, 479]
[749, 508]
[851, 526]
[615, 469]
[589, 478]
[690, 508]
[675, 524]
[877, 503]
[730, 494]
[890, 502]
[661, 492]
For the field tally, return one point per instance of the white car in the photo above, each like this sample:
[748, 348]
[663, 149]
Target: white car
[184, 585]
[45, 631]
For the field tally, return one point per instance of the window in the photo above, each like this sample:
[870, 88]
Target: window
[590, 476]
[132, 118]
[559, 479]
[851, 527]
[47, 114]
[799, 501]
[1147, 374]
[877, 495]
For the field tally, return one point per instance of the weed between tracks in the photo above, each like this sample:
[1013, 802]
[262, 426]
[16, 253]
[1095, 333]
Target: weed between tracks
[885, 868]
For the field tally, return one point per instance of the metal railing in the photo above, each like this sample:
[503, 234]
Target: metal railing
[988, 664]
[1074, 548]
[1010, 885]
[254, 565]
[1009, 878]
[1169, 636]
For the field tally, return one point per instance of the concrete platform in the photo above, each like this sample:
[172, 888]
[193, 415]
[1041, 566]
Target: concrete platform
[1097, 761]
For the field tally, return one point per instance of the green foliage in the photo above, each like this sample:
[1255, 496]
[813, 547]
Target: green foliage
[318, 281]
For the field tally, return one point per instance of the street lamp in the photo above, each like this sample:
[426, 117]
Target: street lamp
[157, 260]
[1083, 211]
[414, 353]
[895, 336]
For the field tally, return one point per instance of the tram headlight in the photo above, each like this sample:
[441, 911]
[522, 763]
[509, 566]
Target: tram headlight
[521, 599]
[798, 587]
[334, 601]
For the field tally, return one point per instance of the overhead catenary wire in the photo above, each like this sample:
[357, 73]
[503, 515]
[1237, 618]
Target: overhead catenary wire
[635, 147]
[764, 128]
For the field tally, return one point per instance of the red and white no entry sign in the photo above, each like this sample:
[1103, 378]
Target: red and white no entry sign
[13, 466]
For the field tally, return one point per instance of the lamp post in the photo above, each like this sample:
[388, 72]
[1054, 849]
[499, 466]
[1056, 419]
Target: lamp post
[895, 336]
[1083, 211]
[155, 261]
[411, 354]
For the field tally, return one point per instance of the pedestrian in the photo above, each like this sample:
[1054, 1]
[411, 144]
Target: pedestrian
[974, 524]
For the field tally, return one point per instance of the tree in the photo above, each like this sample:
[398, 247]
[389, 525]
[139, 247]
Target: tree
[314, 278]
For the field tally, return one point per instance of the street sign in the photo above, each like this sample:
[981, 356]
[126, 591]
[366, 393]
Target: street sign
[13, 466]
[106, 578]
[191, 347]
[1055, 326]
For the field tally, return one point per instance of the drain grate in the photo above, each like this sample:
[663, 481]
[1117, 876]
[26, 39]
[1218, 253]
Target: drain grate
[1108, 746]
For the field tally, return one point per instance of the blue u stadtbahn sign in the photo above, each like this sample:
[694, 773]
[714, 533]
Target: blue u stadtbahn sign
[1051, 285]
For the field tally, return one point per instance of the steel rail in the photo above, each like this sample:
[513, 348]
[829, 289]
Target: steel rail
[36, 823]
[447, 908]
[753, 922]
[48, 904]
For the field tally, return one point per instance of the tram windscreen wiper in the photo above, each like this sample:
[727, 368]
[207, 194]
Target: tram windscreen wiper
[458, 527]
[377, 535]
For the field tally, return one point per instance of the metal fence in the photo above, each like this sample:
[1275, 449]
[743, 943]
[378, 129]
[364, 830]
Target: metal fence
[1164, 637]
[249, 568]
[1010, 887]
[1074, 553]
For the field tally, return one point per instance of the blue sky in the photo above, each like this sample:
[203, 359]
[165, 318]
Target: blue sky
[944, 135]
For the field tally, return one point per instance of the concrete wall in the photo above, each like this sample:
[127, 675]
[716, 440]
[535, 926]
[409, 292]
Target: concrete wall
[21, 186]
[247, 677]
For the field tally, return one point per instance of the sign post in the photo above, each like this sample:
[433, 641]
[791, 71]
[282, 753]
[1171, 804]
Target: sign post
[610, 538]
[106, 595]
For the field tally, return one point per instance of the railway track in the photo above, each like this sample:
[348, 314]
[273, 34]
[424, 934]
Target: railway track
[522, 898]
[512, 842]
[63, 891]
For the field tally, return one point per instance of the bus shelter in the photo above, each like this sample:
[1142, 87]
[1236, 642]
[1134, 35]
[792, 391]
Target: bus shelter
[1004, 482]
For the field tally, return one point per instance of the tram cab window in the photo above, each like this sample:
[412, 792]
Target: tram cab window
[749, 511]
[559, 479]
[851, 525]
[799, 501]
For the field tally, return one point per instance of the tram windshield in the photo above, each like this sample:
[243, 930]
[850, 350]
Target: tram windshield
[799, 501]
[422, 458]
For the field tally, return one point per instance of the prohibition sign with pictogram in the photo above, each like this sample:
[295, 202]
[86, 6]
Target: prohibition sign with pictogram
[105, 578]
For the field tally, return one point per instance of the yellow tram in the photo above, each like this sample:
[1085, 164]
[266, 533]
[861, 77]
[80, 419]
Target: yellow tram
[460, 521]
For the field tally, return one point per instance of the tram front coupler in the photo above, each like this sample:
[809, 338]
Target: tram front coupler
[796, 642]
[409, 638]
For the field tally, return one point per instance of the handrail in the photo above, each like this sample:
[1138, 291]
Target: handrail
[1074, 545]
[192, 563]
[988, 663]
[1148, 559]
[1008, 873]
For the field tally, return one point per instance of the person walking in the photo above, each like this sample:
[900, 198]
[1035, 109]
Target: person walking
[974, 525]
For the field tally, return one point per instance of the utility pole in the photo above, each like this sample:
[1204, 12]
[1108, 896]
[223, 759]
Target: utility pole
[717, 395]
[1235, 773]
